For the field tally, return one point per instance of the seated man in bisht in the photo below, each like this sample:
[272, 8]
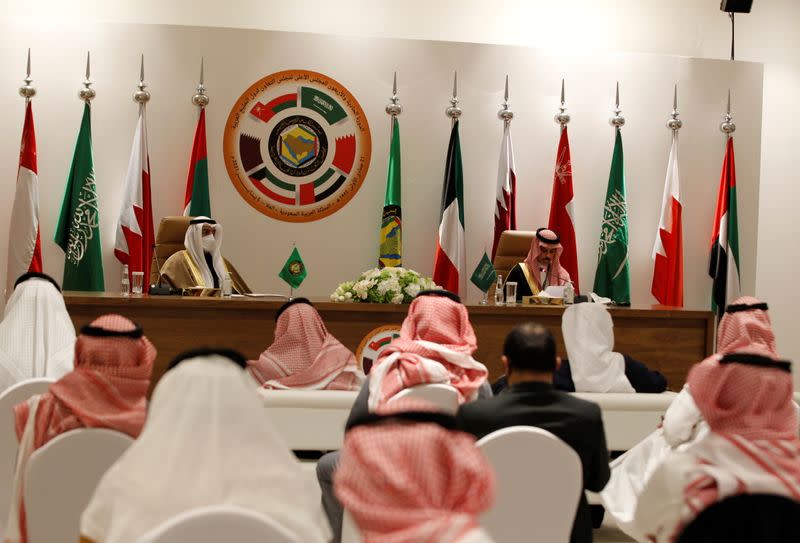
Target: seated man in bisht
[429, 484]
[207, 441]
[304, 355]
[541, 268]
[529, 355]
[436, 345]
[107, 389]
[745, 397]
[37, 337]
[201, 264]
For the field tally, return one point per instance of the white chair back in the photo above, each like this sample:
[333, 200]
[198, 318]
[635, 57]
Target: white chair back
[219, 523]
[538, 485]
[61, 479]
[10, 397]
[443, 396]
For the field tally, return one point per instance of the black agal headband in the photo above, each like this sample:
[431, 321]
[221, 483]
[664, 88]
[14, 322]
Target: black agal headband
[548, 241]
[756, 360]
[202, 221]
[96, 331]
[36, 275]
[441, 293]
[736, 308]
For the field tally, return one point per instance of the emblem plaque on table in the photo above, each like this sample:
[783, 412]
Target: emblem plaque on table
[297, 145]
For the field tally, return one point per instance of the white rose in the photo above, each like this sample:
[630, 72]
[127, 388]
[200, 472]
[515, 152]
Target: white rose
[348, 295]
[412, 289]
[397, 299]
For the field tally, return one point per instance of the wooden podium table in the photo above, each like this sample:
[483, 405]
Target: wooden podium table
[667, 339]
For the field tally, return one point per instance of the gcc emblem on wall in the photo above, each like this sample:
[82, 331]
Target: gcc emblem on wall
[297, 145]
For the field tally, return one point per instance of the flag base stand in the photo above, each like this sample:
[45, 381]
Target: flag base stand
[485, 300]
[291, 293]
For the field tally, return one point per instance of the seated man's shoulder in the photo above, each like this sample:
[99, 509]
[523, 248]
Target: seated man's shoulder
[587, 408]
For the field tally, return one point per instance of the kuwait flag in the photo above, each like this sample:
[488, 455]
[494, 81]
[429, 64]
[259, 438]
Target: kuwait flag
[24, 244]
[724, 261]
[134, 244]
[505, 205]
[562, 209]
[449, 265]
[668, 249]
[198, 201]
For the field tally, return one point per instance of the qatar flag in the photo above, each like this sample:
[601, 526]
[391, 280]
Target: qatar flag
[134, 243]
[505, 205]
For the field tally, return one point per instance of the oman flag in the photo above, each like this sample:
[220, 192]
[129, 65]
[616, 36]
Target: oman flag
[724, 261]
[505, 205]
[24, 244]
[197, 201]
[562, 209]
[134, 244]
[668, 249]
[449, 265]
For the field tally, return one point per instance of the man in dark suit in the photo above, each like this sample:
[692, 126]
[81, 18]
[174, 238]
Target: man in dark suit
[529, 357]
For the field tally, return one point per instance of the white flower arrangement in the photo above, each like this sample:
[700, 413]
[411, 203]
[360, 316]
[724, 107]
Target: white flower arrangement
[383, 286]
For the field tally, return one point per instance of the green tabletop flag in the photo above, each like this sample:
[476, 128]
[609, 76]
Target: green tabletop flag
[294, 271]
[613, 277]
[78, 229]
[484, 275]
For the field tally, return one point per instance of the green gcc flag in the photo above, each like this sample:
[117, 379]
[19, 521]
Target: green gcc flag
[78, 230]
[484, 275]
[612, 278]
[294, 271]
[391, 251]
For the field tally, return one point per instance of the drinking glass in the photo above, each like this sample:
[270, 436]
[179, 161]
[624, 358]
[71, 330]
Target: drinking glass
[511, 292]
[138, 282]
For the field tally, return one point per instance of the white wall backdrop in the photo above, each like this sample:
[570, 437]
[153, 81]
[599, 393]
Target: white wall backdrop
[681, 27]
[258, 245]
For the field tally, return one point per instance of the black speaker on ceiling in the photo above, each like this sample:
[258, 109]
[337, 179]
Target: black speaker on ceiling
[736, 6]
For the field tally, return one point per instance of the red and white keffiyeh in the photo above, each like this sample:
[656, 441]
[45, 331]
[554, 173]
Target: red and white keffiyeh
[107, 389]
[753, 447]
[305, 355]
[435, 346]
[413, 481]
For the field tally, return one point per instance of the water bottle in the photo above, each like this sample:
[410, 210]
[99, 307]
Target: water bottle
[227, 286]
[125, 284]
[569, 293]
[498, 291]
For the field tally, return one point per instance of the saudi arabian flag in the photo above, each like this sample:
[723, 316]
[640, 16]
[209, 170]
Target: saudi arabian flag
[391, 251]
[612, 278]
[78, 230]
[294, 271]
[484, 275]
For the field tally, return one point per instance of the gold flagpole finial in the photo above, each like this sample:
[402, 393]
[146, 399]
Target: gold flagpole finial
[27, 90]
[201, 99]
[562, 117]
[394, 108]
[617, 121]
[87, 93]
[141, 96]
[505, 114]
[728, 126]
[454, 112]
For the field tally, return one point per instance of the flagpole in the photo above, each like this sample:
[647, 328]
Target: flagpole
[27, 90]
[201, 99]
[291, 288]
[562, 117]
[454, 112]
[87, 93]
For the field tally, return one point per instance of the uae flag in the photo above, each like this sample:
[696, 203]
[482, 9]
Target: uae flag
[391, 247]
[613, 277]
[78, 229]
[668, 249]
[134, 244]
[449, 266]
[562, 209]
[197, 201]
[24, 244]
[724, 261]
[505, 205]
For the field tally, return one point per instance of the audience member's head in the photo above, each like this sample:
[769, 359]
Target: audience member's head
[304, 354]
[746, 327]
[408, 475]
[107, 388]
[529, 350]
[206, 442]
[588, 332]
[37, 336]
[435, 346]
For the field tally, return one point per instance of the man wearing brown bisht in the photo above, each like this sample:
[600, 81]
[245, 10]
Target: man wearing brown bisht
[200, 264]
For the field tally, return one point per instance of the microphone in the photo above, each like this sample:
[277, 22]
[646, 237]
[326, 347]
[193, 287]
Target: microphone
[159, 289]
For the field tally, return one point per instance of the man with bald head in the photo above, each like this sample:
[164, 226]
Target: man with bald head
[542, 267]
[529, 357]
